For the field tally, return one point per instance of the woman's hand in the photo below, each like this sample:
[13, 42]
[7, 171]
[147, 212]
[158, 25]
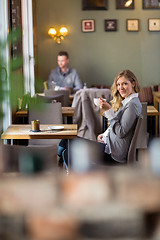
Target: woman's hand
[104, 105]
[99, 138]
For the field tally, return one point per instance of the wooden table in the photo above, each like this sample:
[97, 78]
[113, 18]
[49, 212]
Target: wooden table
[152, 111]
[156, 96]
[68, 111]
[22, 131]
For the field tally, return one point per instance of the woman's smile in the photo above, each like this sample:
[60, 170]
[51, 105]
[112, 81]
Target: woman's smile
[125, 87]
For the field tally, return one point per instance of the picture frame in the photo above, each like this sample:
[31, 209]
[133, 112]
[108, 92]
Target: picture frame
[110, 25]
[148, 4]
[88, 25]
[154, 24]
[94, 4]
[123, 4]
[132, 25]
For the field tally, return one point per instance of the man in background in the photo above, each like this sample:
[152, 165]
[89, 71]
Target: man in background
[64, 77]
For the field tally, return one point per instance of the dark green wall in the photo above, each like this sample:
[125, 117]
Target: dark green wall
[100, 55]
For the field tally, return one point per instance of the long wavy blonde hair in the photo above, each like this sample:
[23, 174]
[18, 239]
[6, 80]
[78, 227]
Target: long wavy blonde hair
[117, 99]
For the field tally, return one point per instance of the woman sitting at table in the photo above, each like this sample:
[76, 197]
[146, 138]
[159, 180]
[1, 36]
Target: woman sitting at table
[122, 115]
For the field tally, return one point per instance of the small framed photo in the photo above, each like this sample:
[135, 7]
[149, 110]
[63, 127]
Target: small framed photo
[94, 4]
[124, 4]
[154, 24]
[151, 4]
[110, 25]
[132, 25]
[88, 25]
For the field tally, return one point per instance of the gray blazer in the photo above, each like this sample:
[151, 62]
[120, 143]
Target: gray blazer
[122, 129]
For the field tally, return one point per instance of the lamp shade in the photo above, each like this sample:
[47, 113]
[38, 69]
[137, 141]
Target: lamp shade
[63, 31]
[52, 32]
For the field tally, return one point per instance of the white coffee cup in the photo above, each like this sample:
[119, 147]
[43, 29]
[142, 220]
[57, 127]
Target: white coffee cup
[97, 101]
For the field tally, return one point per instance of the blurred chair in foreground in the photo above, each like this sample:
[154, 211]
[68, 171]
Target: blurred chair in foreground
[29, 160]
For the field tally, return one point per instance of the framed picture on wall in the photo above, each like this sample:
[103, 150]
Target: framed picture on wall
[124, 4]
[154, 24]
[110, 25]
[94, 4]
[151, 4]
[132, 25]
[88, 25]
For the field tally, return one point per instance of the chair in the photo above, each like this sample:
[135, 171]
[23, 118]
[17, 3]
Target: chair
[51, 99]
[140, 137]
[142, 140]
[51, 92]
[18, 158]
[50, 113]
[132, 153]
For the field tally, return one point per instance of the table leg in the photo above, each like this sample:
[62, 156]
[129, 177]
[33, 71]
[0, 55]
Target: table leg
[156, 103]
[157, 117]
[69, 120]
[69, 160]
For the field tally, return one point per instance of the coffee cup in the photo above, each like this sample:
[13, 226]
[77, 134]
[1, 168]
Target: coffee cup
[97, 101]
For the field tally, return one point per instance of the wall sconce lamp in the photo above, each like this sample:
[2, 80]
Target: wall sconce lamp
[52, 32]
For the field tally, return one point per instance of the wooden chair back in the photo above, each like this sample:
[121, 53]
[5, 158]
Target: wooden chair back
[50, 113]
[51, 92]
[132, 153]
